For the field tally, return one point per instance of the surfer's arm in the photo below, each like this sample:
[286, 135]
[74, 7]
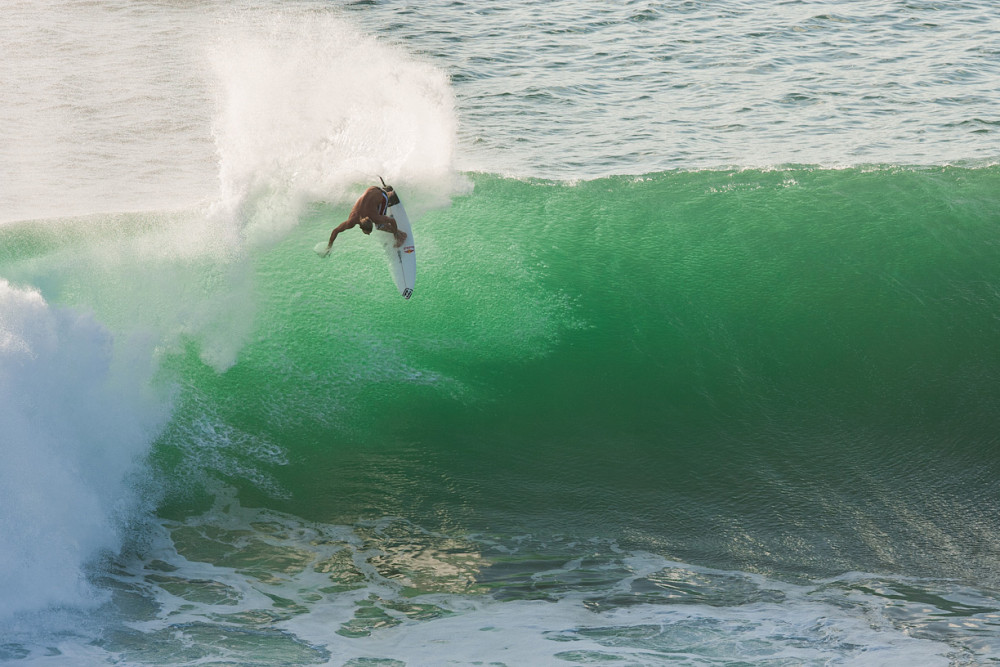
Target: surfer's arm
[346, 224]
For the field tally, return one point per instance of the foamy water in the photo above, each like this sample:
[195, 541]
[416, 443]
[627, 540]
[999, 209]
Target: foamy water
[77, 416]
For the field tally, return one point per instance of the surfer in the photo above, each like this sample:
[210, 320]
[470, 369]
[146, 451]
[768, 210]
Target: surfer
[369, 213]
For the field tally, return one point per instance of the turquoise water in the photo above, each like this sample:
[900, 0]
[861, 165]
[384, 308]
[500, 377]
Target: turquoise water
[699, 369]
[788, 337]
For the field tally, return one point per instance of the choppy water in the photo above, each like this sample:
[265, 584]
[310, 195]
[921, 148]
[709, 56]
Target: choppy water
[583, 89]
[700, 367]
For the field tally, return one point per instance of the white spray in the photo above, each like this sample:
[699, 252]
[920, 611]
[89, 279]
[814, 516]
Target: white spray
[74, 421]
[311, 110]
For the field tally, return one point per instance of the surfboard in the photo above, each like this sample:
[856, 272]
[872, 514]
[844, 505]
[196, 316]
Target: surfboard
[402, 260]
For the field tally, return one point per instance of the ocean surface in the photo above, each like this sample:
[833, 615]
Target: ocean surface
[702, 366]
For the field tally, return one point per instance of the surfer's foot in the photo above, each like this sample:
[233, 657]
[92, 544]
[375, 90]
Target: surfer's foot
[400, 237]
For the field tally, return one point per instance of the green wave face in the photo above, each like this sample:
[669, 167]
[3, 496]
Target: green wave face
[718, 363]
[789, 369]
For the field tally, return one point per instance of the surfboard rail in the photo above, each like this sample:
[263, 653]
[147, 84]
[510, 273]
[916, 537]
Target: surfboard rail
[402, 260]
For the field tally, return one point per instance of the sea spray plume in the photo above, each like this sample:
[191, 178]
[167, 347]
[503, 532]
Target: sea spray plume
[75, 421]
[181, 277]
[308, 108]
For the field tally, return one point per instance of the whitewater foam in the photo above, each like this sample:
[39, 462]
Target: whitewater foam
[251, 584]
[77, 419]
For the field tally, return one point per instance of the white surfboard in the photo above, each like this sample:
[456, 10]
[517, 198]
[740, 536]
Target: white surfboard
[402, 260]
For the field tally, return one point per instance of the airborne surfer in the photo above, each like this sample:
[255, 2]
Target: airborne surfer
[370, 212]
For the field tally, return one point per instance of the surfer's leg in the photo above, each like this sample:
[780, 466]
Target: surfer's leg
[386, 223]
